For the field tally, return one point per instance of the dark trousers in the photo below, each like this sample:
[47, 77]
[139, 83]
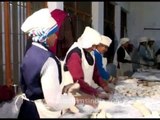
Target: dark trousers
[28, 110]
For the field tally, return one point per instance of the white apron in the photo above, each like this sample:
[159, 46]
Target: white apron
[43, 110]
[125, 67]
[88, 69]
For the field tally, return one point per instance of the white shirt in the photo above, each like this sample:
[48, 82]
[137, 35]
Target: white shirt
[51, 86]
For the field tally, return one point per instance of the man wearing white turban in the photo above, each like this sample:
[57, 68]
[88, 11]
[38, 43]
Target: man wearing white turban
[122, 59]
[80, 61]
[151, 49]
[100, 61]
[41, 71]
[144, 54]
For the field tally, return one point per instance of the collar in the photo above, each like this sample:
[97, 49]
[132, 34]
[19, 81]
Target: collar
[39, 45]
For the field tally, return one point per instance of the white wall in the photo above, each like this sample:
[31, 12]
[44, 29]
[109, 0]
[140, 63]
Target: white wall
[118, 7]
[144, 15]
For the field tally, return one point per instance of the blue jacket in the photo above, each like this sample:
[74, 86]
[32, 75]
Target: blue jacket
[98, 61]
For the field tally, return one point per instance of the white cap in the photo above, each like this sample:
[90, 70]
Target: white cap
[151, 39]
[143, 39]
[105, 40]
[124, 40]
[40, 19]
[89, 37]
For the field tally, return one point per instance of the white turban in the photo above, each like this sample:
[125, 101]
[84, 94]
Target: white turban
[124, 40]
[143, 39]
[40, 19]
[151, 39]
[40, 25]
[89, 38]
[105, 40]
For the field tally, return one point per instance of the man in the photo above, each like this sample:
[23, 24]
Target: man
[100, 61]
[122, 59]
[80, 62]
[151, 50]
[144, 54]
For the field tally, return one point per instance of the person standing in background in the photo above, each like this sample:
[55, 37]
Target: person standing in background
[122, 59]
[151, 50]
[144, 54]
[158, 58]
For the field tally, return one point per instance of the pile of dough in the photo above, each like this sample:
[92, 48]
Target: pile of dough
[138, 90]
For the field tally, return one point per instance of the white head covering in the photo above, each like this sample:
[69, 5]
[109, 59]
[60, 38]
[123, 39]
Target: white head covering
[89, 38]
[122, 41]
[143, 39]
[105, 40]
[39, 19]
[151, 39]
[40, 25]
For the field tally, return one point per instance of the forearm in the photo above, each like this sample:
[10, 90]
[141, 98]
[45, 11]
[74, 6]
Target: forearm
[51, 88]
[87, 89]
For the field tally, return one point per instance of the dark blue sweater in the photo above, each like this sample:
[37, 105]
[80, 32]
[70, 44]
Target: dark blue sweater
[31, 66]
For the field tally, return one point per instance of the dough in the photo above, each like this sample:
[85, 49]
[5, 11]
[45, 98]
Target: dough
[74, 87]
[101, 114]
[142, 108]
[103, 104]
[72, 109]
[155, 114]
[108, 115]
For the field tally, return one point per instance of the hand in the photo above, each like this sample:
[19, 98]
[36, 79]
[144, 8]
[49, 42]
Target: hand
[107, 89]
[66, 88]
[87, 99]
[114, 80]
[104, 96]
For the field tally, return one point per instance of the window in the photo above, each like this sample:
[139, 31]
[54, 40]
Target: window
[12, 39]
[80, 13]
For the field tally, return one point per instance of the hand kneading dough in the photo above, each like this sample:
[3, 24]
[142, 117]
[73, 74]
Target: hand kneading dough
[74, 109]
[74, 87]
